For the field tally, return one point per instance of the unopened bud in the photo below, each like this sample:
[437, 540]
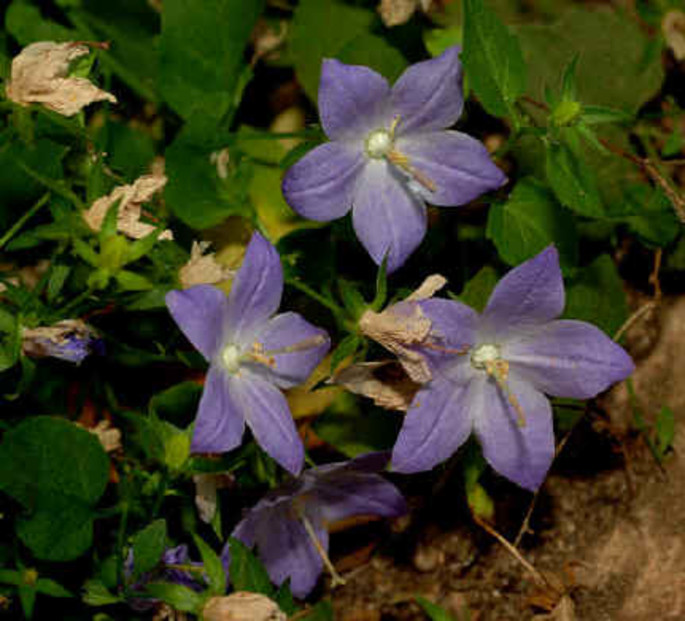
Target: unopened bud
[242, 606]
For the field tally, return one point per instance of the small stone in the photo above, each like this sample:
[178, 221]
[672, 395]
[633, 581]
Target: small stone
[428, 559]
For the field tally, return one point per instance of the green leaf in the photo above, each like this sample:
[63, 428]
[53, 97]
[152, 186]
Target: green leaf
[492, 59]
[353, 300]
[322, 611]
[479, 501]
[173, 403]
[572, 181]
[665, 430]
[346, 348]
[530, 221]
[148, 546]
[596, 295]
[477, 291]
[51, 588]
[434, 612]
[26, 24]
[202, 47]
[57, 471]
[284, 599]
[195, 193]
[177, 596]
[213, 566]
[381, 286]
[246, 571]
[95, 593]
[132, 281]
[351, 41]
[10, 340]
[27, 597]
[599, 115]
[613, 69]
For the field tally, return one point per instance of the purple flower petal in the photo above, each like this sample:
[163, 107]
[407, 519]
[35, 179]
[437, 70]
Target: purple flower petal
[268, 416]
[284, 546]
[428, 95]
[352, 100]
[523, 454]
[530, 294]
[569, 359]
[220, 421]
[438, 422]
[200, 313]
[458, 165]
[387, 216]
[256, 290]
[301, 345]
[320, 186]
[356, 493]
[453, 329]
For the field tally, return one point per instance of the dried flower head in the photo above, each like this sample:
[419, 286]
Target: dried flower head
[71, 340]
[40, 75]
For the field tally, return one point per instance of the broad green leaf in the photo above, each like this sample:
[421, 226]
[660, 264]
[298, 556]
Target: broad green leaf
[530, 221]
[26, 24]
[10, 340]
[174, 403]
[434, 612]
[202, 47]
[493, 60]
[574, 184]
[350, 40]
[477, 291]
[284, 598]
[654, 221]
[213, 566]
[613, 69]
[95, 593]
[177, 596]
[52, 588]
[195, 192]
[437, 40]
[246, 571]
[596, 295]
[57, 471]
[148, 546]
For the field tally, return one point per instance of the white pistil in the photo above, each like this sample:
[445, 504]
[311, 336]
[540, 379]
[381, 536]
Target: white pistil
[230, 357]
[487, 358]
[483, 354]
[336, 578]
[378, 143]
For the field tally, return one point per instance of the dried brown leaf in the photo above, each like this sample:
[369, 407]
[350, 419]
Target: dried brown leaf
[131, 199]
[673, 27]
[242, 606]
[203, 269]
[403, 325]
[39, 75]
[384, 382]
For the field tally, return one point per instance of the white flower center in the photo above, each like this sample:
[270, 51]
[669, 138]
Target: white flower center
[483, 354]
[378, 143]
[230, 357]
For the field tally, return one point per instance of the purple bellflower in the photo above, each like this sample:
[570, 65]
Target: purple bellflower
[388, 153]
[289, 525]
[253, 353]
[490, 373]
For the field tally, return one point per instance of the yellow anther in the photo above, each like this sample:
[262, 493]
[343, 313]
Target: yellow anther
[402, 161]
[498, 369]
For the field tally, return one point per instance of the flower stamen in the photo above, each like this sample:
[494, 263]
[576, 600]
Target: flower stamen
[498, 369]
[336, 578]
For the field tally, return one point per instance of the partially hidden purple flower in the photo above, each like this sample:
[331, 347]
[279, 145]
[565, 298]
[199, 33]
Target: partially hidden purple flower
[164, 572]
[289, 525]
[252, 354]
[71, 340]
[491, 372]
[388, 153]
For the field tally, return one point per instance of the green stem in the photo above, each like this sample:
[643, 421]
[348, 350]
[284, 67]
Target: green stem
[74, 303]
[27, 216]
[307, 290]
[51, 184]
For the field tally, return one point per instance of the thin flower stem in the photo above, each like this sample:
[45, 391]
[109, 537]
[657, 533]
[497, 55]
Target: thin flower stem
[336, 578]
[628, 323]
[24, 218]
[51, 184]
[307, 290]
[538, 577]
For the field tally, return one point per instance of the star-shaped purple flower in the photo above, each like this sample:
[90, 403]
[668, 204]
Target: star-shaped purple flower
[290, 523]
[252, 354]
[388, 153]
[490, 374]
